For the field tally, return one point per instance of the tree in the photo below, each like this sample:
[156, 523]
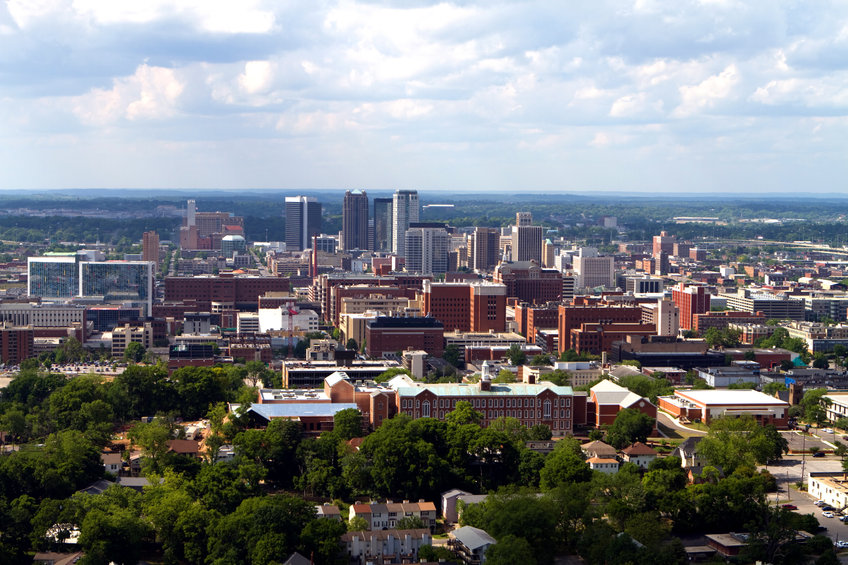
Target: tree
[410, 523]
[452, 354]
[510, 550]
[564, 465]
[738, 442]
[558, 377]
[357, 524]
[629, 426]
[134, 352]
[504, 376]
[541, 360]
[814, 403]
[351, 344]
[435, 553]
[389, 374]
[347, 423]
[153, 439]
[820, 361]
[464, 413]
[774, 387]
[516, 355]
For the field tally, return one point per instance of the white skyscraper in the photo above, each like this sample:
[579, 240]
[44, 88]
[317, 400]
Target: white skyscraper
[405, 210]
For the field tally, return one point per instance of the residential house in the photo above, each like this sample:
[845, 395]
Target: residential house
[112, 463]
[330, 511]
[639, 454]
[603, 464]
[598, 449]
[381, 516]
[449, 510]
[385, 546]
[470, 544]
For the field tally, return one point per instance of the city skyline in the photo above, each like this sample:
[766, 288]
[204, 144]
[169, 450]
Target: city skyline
[712, 96]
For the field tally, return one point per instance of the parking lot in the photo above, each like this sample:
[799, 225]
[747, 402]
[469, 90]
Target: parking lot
[799, 442]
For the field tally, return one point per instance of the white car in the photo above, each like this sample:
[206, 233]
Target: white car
[828, 430]
[842, 544]
[827, 514]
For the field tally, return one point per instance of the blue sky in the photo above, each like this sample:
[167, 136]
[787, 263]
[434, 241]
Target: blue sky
[646, 95]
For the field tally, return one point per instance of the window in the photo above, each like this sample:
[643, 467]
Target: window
[547, 409]
[425, 409]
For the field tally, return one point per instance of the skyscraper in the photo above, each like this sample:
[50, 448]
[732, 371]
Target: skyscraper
[526, 241]
[427, 246]
[355, 220]
[405, 211]
[303, 220]
[150, 247]
[382, 224]
[485, 249]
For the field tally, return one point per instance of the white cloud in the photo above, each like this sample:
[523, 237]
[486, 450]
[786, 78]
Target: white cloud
[704, 95]
[152, 93]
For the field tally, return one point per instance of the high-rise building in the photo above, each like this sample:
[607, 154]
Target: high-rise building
[191, 211]
[594, 270]
[663, 243]
[124, 281]
[405, 211]
[150, 247]
[383, 224]
[427, 245]
[485, 249]
[54, 275]
[526, 239]
[690, 300]
[303, 220]
[355, 220]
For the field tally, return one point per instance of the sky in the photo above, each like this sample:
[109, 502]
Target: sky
[646, 96]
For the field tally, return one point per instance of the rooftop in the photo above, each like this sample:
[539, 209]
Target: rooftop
[729, 397]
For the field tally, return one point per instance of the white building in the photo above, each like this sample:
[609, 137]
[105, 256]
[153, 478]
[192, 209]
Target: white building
[405, 210]
[277, 319]
[594, 270]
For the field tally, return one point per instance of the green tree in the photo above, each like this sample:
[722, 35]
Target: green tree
[538, 360]
[347, 423]
[410, 523]
[464, 413]
[814, 403]
[351, 344]
[564, 465]
[629, 426]
[510, 550]
[435, 553]
[738, 442]
[558, 377]
[357, 524]
[134, 352]
[452, 354]
[504, 376]
[516, 355]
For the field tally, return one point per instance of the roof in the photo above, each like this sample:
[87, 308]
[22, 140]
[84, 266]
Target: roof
[472, 538]
[57, 558]
[639, 448]
[453, 492]
[97, 487]
[607, 392]
[110, 458]
[184, 446]
[297, 559]
[735, 397]
[385, 534]
[592, 460]
[598, 448]
[336, 378]
[497, 389]
[299, 410]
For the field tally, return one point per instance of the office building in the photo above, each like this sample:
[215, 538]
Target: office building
[54, 275]
[303, 220]
[485, 249]
[529, 282]
[383, 224]
[663, 243]
[233, 244]
[16, 344]
[118, 281]
[150, 247]
[474, 307]
[664, 315]
[405, 211]
[427, 246]
[593, 270]
[355, 220]
[779, 307]
[690, 300]
[389, 335]
[643, 285]
[572, 317]
[526, 239]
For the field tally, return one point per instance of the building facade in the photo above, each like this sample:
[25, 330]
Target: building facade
[355, 220]
[405, 211]
[303, 220]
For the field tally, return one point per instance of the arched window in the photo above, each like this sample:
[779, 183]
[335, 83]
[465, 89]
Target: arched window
[425, 409]
[547, 409]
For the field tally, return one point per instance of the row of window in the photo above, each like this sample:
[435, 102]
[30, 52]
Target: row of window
[492, 403]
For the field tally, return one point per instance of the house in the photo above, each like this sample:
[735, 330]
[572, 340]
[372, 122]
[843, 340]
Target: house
[470, 544]
[112, 462]
[330, 511]
[609, 398]
[381, 516]
[54, 558]
[728, 545]
[186, 447]
[464, 500]
[598, 449]
[639, 454]
[449, 510]
[385, 546]
[297, 559]
[603, 464]
[688, 453]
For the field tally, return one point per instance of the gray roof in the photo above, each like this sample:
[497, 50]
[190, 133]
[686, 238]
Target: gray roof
[297, 559]
[497, 389]
[473, 538]
[297, 410]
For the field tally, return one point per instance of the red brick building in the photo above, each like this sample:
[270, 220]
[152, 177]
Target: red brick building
[532, 318]
[595, 338]
[241, 291]
[338, 293]
[388, 335]
[16, 344]
[465, 307]
[702, 322]
[690, 300]
[571, 317]
[607, 399]
[704, 405]
[529, 282]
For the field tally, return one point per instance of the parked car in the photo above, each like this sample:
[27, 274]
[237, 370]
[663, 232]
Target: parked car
[790, 507]
[820, 503]
[827, 514]
[841, 544]
[828, 508]
[818, 454]
[828, 430]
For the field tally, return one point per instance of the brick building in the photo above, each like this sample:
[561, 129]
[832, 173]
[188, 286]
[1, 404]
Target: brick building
[388, 335]
[242, 292]
[704, 405]
[530, 319]
[16, 344]
[721, 320]
[529, 282]
[571, 317]
[465, 307]
[690, 300]
[596, 338]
